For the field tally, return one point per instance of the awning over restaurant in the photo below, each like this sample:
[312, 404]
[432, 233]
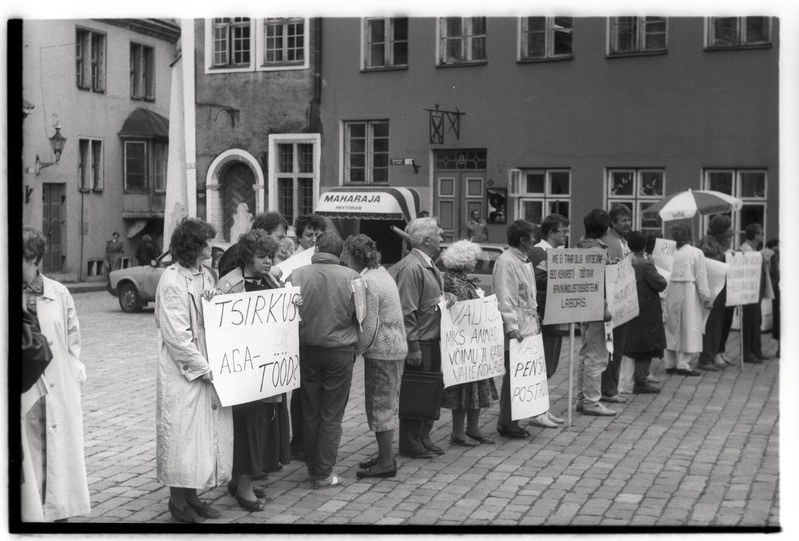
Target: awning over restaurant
[143, 123]
[370, 203]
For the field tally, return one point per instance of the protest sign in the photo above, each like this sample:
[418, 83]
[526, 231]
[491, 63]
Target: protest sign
[575, 286]
[294, 262]
[622, 294]
[253, 344]
[743, 278]
[528, 378]
[663, 256]
[472, 342]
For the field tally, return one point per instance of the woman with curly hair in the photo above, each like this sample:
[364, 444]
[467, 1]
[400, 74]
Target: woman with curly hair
[686, 293]
[260, 428]
[194, 433]
[55, 485]
[382, 342]
[466, 399]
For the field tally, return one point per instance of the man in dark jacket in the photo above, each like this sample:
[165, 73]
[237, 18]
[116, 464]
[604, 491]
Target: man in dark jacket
[328, 335]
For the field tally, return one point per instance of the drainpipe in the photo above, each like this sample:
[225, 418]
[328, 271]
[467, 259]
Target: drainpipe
[314, 113]
[82, 235]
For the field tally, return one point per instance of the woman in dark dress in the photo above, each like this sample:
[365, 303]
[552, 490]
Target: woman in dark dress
[260, 428]
[466, 399]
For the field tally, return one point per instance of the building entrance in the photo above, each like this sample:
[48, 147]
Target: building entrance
[459, 188]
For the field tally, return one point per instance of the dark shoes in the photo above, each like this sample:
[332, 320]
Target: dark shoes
[433, 449]
[417, 453]
[708, 367]
[687, 372]
[249, 505]
[187, 514]
[204, 510]
[671, 370]
[512, 432]
[645, 389]
[392, 472]
[752, 359]
[366, 464]
[481, 439]
[461, 443]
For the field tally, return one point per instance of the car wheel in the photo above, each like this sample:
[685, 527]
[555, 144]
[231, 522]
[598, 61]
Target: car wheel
[129, 298]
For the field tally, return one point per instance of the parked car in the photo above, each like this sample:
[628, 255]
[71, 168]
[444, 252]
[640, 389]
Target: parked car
[482, 274]
[135, 286]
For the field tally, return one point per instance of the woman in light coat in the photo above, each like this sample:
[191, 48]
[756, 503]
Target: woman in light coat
[686, 294]
[55, 469]
[194, 433]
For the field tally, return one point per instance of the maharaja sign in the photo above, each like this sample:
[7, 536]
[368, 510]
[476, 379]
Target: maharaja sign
[350, 198]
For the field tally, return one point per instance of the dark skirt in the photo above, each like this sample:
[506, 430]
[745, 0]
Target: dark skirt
[472, 395]
[260, 437]
[645, 355]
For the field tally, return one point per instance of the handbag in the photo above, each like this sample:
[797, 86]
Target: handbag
[420, 395]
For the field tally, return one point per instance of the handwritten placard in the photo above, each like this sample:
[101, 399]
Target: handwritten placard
[743, 277]
[472, 343]
[253, 344]
[575, 286]
[621, 291]
[528, 378]
[663, 256]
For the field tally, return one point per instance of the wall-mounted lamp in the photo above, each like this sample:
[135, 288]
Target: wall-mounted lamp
[57, 142]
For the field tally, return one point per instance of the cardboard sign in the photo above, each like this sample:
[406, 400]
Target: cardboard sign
[575, 286]
[472, 342]
[743, 278]
[295, 262]
[528, 378]
[621, 291]
[253, 343]
[663, 256]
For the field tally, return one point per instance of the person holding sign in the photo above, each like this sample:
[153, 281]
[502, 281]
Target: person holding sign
[593, 359]
[514, 286]
[194, 433]
[620, 225]
[646, 338]
[752, 314]
[714, 245]
[686, 293]
[466, 399]
[420, 288]
[260, 428]
[328, 337]
[382, 342]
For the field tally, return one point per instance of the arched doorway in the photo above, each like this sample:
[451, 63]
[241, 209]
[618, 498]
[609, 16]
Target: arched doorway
[237, 181]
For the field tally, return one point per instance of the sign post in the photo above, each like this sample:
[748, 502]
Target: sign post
[575, 293]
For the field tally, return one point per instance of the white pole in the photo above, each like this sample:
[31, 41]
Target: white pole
[571, 369]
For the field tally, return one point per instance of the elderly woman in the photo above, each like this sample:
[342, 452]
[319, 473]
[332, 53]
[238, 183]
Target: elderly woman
[55, 470]
[714, 245]
[194, 433]
[466, 399]
[382, 342]
[260, 428]
[686, 293]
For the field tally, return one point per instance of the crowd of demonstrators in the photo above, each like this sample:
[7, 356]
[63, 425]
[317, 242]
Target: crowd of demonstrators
[465, 399]
[54, 485]
[384, 347]
[715, 245]
[686, 294]
[260, 428]
[194, 432]
[593, 358]
[752, 316]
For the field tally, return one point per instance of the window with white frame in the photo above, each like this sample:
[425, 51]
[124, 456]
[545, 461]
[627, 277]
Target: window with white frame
[544, 38]
[239, 44]
[144, 163]
[284, 41]
[90, 60]
[90, 165]
[749, 185]
[637, 189]
[461, 40]
[540, 192]
[366, 152]
[636, 35]
[294, 161]
[142, 72]
[385, 42]
[231, 42]
[734, 32]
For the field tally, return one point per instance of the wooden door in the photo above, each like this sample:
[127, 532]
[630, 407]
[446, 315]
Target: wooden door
[53, 222]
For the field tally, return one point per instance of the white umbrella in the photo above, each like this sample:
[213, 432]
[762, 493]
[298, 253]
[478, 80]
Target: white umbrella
[686, 204]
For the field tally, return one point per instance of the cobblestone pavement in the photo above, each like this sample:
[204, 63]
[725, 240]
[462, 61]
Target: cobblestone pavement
[704, 452]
